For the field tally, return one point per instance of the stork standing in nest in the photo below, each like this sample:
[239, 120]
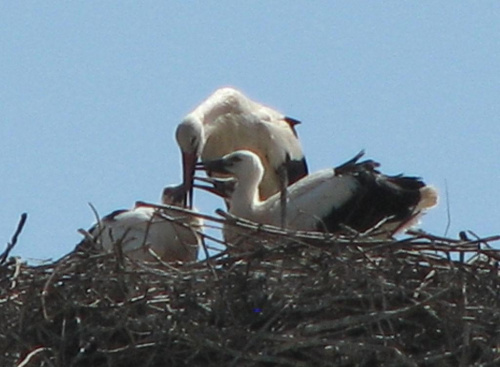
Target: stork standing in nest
[354, 195]
[228, 121]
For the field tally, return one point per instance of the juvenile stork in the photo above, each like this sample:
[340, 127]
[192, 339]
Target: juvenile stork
[228, 121]
[144, 229]
[353, 195]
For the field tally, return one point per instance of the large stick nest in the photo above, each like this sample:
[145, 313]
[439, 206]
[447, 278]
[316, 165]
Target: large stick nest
[290, 300]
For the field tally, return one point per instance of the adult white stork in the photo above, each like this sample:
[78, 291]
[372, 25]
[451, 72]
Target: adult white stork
[228, 121]
[169, 234]
[353, 195]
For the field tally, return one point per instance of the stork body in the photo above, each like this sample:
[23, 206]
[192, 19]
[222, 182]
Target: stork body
[170, 235]
[355, 195]
[228, 121]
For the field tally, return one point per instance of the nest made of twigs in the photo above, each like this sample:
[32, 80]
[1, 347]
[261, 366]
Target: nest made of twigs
[291, 299]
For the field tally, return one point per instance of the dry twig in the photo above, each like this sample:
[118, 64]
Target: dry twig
[287, 299]
[12, 243]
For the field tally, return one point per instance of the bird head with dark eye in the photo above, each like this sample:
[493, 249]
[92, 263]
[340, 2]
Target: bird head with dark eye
[242, 164]
[174, 195]
[230, 163]
[190, 135]
[191, 138]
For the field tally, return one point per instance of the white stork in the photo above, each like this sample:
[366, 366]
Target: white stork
[353, 195]
[144, 228]
[228, 121]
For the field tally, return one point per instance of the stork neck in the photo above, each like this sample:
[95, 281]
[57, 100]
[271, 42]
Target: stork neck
[245, 198]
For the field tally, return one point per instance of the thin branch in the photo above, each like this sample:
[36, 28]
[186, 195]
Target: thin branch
[13, 241]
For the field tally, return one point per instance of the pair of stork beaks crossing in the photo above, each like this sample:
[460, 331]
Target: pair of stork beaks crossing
[259, 150]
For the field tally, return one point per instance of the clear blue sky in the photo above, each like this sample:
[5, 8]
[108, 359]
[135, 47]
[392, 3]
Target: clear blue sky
[91, 93]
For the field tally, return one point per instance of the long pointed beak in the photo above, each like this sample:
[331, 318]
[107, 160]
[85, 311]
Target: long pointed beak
[188, 165]
[210, 189]
[216, 165]
[222, 187]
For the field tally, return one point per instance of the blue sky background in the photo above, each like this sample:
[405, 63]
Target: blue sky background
[91, 93]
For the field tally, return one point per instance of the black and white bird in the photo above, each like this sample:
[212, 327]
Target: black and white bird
[354, 195]
[228, 121]
[171, 235]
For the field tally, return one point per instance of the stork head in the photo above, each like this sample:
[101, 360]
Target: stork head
[242, 164]
[190, 138]
[174, 195]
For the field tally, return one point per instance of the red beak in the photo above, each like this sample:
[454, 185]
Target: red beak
[188, 164]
